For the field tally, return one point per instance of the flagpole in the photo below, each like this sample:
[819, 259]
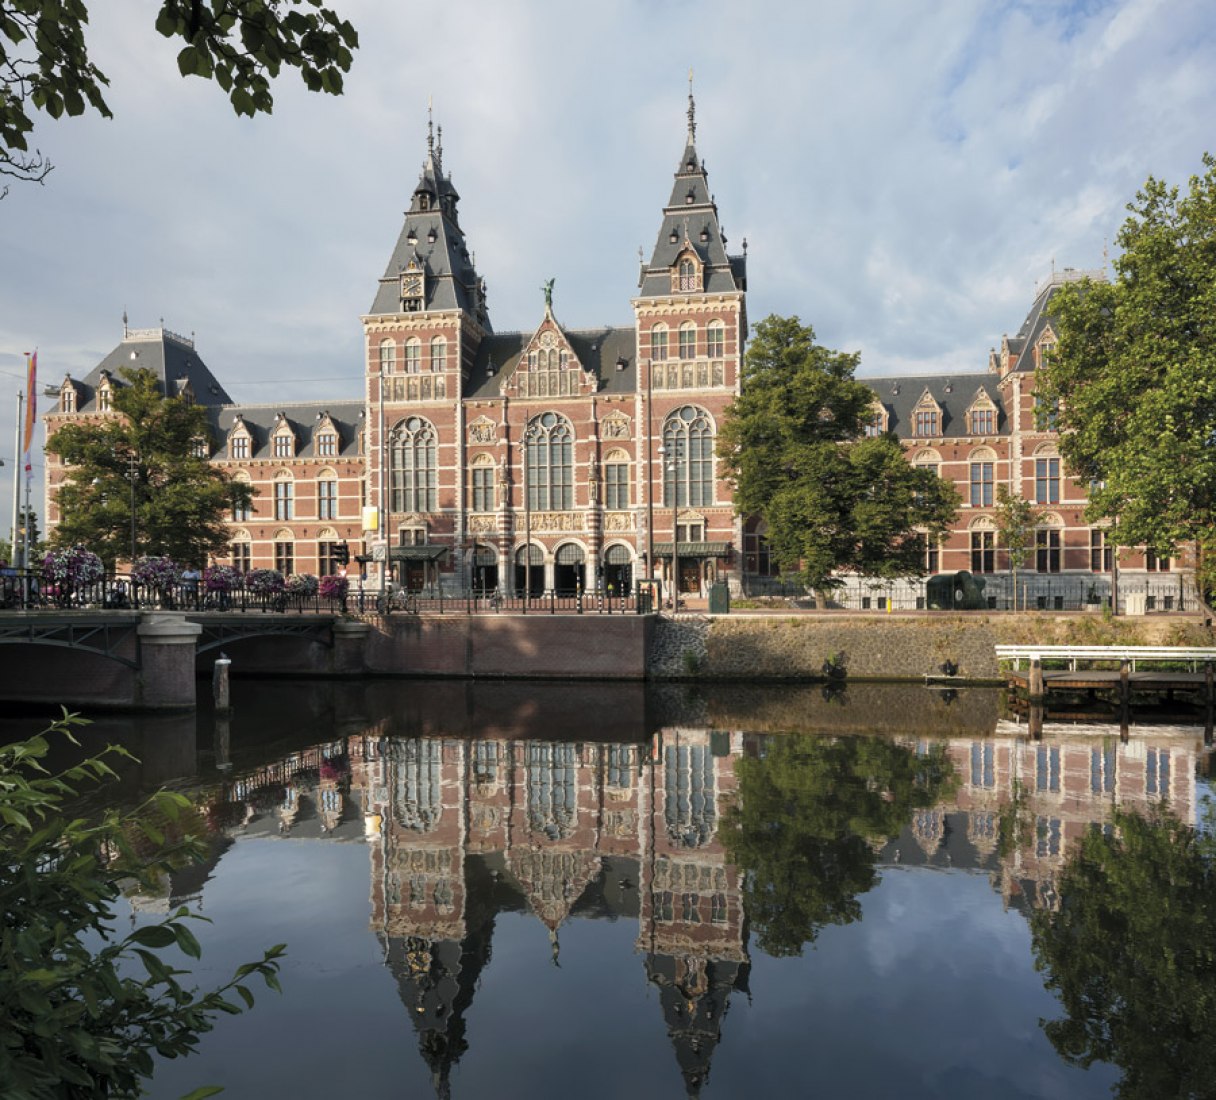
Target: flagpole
[16, 550]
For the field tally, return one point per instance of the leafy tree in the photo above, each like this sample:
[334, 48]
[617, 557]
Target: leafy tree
[241, 44]
[180, 498]
[1015, 518]
[82, 1009]
[833, 500]
[801, 830]
[1130, 955]
[1134, 372]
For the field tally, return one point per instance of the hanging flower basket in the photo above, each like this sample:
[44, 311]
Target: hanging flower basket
[302, 584]
[221, 578]
[70, 569]
[264, 582]
[334, 587]
[157, 573]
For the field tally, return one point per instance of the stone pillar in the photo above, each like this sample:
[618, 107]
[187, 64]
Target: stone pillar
[166, 669]
[350, 647]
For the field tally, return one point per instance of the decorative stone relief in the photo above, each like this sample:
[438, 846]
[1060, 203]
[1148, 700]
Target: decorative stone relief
[618, 521]
[551, 521]
[614, 427]
[481, 525]
[483, 430]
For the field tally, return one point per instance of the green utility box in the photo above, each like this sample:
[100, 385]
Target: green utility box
[719, 598]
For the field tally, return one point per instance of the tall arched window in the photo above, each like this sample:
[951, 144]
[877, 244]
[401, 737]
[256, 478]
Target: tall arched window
[413, 356]
[715, 339]
[481, 484]
[616, 480]
[550, 463]
[388, 356]
[688, 458]
[688, 340]
[414, 474]
[688, 275]
[439, 354]
[658, 342]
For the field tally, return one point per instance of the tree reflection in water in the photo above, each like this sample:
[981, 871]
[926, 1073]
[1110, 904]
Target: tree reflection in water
[1130, 953]
[810, 814]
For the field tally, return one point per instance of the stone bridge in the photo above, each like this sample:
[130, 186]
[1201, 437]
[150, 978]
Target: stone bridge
[151, 660]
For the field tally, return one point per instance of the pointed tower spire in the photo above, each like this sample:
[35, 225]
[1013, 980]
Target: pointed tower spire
[692, 112]
[430, 129]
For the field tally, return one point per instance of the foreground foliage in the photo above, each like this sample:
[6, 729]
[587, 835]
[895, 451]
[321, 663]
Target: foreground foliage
[1134, 373]
[240, 44]
[180, 499]
[808, 815]
[833, 499]
[1130, 955]
[82, 1010]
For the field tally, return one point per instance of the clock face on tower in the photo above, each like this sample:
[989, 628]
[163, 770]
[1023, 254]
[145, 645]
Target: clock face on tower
[411, 286]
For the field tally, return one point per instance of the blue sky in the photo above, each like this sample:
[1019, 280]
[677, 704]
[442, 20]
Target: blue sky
[904, 172]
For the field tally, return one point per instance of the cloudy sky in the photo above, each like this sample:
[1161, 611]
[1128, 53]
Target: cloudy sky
[904, 172]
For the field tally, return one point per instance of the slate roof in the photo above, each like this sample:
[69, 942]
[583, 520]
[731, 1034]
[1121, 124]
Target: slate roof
[1039, 317]
[690, 219]
[172, 358]
[431, 234]
[955, 393]
[599, 350]
[261, 421]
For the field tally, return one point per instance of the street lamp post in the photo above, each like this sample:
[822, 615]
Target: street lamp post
[668, 459]
[133, 477]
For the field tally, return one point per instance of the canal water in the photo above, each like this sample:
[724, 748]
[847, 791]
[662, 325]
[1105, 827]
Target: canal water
[552, 890]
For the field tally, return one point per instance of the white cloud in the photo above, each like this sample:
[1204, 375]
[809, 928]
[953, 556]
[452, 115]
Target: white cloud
[903, 173]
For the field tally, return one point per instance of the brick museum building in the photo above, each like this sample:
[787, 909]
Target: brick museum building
[561, 458]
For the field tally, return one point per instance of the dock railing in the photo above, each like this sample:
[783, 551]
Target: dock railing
[1191, 655]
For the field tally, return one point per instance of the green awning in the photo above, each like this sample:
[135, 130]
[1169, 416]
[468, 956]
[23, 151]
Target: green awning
[693, 549]
[417, 553]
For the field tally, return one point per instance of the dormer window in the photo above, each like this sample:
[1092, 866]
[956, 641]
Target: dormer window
[686, 276]
[67, 398]
[983, 421]
[105, 395]
[877, 422]
[238, 442]
[284, 441]
[926, 421]
[327, 444]
[199, 448]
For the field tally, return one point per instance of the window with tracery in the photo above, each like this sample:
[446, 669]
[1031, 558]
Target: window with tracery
[687, 278]
[413, 477]
[552, 789]
[688, 459]
[413, 356]
[689, 805]
[416, 770]
[549, 466]
[551, 371]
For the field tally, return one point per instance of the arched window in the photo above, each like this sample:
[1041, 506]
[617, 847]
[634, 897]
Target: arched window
[690, 806]
[240, 550]
[688, 340]
[284, 496]
[413, 356]
[715, 339]
[481, 484]
[688, 458]
[241, 512]
[552, 788]
[414, 471]
[388, 356]
[416, 773]
[284, 552]
[658, 342]
[550, 463]
[982, 465]
[327, 494]
[688, 275]
[616, 481]
[439, 354]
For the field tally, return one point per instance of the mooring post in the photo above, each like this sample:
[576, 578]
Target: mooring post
[219, 685]
[1034, 720]
[1125, 699]
[1034, 678]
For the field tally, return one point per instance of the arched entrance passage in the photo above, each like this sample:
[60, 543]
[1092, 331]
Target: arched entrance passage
[485, 569]
[529, 571]
[618, 570]
[568, 569]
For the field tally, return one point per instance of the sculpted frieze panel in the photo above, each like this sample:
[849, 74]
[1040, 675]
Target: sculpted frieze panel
[618, 521]
[551, 521]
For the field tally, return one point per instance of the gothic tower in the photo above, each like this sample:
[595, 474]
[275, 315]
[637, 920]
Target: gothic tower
[691, 328]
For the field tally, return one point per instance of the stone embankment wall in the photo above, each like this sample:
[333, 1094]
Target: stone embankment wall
[783, 647]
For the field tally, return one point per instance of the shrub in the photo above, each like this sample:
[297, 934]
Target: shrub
[82, 1008]
[72, 567]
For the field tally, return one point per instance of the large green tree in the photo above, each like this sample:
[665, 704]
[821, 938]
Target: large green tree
[242, 44]
[1134, 372]
[1131, 956]
[833, 498]
[1015, 519]
[806, 817]
[148, 454]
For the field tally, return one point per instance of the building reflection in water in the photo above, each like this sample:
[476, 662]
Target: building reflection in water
[459, 830]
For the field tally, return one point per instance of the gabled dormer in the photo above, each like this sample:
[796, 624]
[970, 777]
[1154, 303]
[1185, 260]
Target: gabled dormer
[1044, 345]
[326, 439]
[687, 273]
[240, 440]
[549, 365]
[982, 414]
[877, 422]
[927, 417]
[69, 396]
[283, 442]
[105, 392]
